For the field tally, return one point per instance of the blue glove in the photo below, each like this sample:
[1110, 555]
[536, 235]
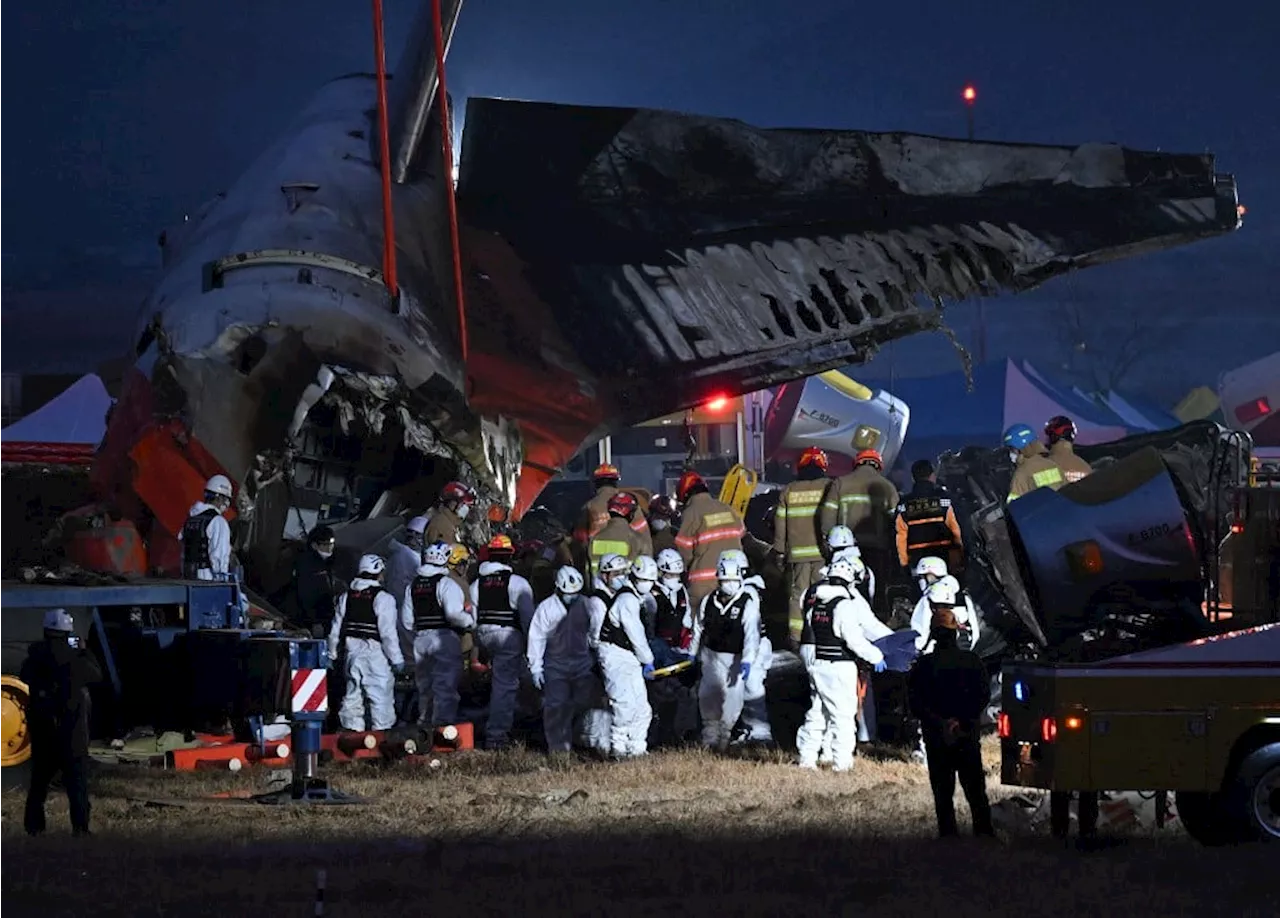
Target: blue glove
[746, 670]
[881, 666]
[647, 672]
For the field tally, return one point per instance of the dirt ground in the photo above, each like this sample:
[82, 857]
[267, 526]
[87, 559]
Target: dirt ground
[511, 833]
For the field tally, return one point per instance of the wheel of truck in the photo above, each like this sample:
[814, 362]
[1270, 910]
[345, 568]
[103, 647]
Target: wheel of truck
[1258, 793]
[1207, 818]
[15, 698]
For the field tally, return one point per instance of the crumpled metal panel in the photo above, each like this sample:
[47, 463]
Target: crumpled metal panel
[730, 257]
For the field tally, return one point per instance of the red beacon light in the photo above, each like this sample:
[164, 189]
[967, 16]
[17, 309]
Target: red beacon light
[970, 94]
[717, 403]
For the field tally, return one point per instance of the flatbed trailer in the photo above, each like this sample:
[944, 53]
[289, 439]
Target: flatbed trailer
[1200, 719]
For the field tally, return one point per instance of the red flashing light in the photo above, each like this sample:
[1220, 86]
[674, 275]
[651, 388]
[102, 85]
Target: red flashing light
[1048, 729]
[1002, 725]
[970, 95]
[1237, 527]
[717, 403]
[1251, 411]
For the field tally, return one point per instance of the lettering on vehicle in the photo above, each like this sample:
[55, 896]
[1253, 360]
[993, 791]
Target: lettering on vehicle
[1151, 532]
[821, 417]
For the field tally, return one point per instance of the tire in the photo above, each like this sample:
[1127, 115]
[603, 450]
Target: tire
[1207, 818]
[1255, 798]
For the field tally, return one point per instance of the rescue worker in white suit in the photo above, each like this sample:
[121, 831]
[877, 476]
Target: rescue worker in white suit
[617, 637]
[561, 664]
[404, 557]
[726, 641]
[755, 727]
[364, 631]
[503, 601]
[928, 571]
[841, 544]
[945, 592]
[674, 700]
[206, 535]
[437, 612]
[833, 642]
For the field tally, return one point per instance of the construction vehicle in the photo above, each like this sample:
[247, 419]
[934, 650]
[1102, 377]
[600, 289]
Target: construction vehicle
[1135, 675]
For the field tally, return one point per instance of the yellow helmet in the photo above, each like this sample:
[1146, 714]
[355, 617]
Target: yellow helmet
[459, 554]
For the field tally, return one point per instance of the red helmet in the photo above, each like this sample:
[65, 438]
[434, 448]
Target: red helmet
[662, 507]
[688, 481]
[813, 456]
[605, 472]
[456, 490]
[623, 504]
[500, 545]
[1058, 428]
[869, 456]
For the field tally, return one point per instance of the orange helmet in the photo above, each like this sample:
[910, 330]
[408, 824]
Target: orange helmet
[623, 504]
[501, 545]
[870, 456]
[813, 456]
[688, 481]
[605, 472]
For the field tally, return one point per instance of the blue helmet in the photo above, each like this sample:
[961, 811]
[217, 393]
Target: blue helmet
[1018, 436]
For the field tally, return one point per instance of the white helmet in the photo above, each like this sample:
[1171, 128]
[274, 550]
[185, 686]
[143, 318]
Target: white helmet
[58, 620]
[418, 524]
[220, 485]
[437, 554]
[842, 569]
[612, 564]
[670, 562]
[568, 580]
[945, 591]
[738, 557]
[730, 568]
[931, 565]
[841, 537]
[644, 568]
[371, 564]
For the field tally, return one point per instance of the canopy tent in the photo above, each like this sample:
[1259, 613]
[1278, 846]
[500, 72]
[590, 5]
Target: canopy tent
[945, 415]
[66, 430]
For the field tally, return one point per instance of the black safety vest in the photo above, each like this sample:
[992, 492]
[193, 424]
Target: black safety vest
[669, 621]
[360, 620]
[195, 542]
[821, 619]
[612, 632]
[924, 511]
[428, 614]
[722, 629]
[494, 599]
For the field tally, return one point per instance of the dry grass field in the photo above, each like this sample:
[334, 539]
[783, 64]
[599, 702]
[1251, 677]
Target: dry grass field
[512, 834]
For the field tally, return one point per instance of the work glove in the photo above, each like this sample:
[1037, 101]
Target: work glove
[647, 671]
[538, 679]
[745, 671]
[881, 666]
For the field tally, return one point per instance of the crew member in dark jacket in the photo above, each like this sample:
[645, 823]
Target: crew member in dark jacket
[315, 583]
[59, 671]
[948, 691]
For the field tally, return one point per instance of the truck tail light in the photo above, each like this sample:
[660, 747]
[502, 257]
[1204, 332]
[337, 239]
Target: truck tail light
[1002, 725]
[1074, 723]
[1084, 559]
[1048, 729]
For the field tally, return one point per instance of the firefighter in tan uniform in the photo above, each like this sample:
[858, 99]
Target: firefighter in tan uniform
[1032, 468]
[595, 514]
[707, 528]
[617, 536]
[456, 501]
[1060, 434]
[866, 502]
[796, 541]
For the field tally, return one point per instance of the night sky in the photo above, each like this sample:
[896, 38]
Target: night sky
[134, 112]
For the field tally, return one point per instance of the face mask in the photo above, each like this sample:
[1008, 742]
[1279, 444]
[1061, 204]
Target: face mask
[463, 510]
[617, 583]
[658, 525]
[1014, 454]
[567, 598]
[671, 581]
[730, 587]
[325, 553]
[644, 587]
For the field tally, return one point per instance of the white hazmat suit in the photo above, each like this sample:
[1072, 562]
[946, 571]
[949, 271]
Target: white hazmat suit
[922, 619]
[561, 664]
[755, 711]
[436, 612]
[726, 635]
[217, 534]
[364, 622]
[837, 619]
[503, 601]
[617, 636]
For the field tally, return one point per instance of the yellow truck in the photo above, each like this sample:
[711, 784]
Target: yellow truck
[1201, 719]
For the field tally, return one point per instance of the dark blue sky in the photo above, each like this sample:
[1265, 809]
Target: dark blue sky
[132, 113]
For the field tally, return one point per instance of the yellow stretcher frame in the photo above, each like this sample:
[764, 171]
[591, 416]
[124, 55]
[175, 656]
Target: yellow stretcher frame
[739, 485]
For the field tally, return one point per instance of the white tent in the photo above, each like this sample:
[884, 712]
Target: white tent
[76, 418]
